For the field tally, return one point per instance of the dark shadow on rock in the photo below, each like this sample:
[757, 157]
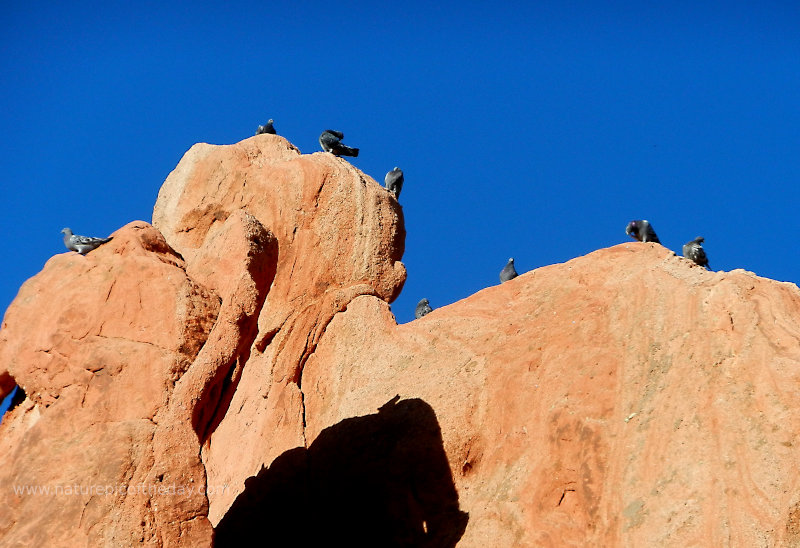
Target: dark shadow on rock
[379, 480]
[260, 266]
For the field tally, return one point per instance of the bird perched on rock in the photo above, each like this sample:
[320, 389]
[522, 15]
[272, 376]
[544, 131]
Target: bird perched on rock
[394, 181]
[331, 141]
[694, 251]
[266, 128]
[642, 231]
[81, 244]
[508, 272]
[423, 307]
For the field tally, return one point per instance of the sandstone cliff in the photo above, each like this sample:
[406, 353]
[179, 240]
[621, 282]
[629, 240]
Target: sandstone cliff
[234, 371]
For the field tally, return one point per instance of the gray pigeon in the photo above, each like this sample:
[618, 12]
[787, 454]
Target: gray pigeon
[81, 244]
[694, 251]
[331, 141]
[266, 128]
[508, 272]
[642, 231]
[394, 181]
[423, 307]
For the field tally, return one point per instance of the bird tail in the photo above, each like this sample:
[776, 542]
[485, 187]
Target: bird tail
[349, 151]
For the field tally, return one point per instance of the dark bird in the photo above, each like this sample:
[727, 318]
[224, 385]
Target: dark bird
[394, 181]
[694, 251]
[331, 141]
[508, 272]
[423, 307]
[642, 231]
[81, 244]
[266, 128]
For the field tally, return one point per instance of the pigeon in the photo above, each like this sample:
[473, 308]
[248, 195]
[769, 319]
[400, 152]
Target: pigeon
[423, 307]
[694, 251]
[266, 128]
[81, 244]
[394, 181]
[331, 141]
[642, 231]
[508, 272]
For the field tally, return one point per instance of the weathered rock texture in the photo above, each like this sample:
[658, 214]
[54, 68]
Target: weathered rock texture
[98, 343]
[623, 398]
[241, 356]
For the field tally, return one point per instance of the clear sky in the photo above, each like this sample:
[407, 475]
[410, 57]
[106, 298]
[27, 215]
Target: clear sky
[528, 129]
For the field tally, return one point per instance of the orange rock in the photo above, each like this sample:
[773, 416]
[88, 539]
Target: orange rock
[622, 398]
[340, 235]
[244, 372]
[243, 298]
[97, 342]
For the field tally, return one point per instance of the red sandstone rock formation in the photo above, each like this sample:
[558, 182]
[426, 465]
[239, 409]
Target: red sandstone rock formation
[235, 371]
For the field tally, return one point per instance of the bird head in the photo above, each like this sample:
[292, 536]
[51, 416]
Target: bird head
[66, 231]
[699, 239]
[270, 121]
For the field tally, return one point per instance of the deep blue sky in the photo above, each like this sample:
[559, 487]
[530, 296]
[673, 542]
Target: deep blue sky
[533, 130]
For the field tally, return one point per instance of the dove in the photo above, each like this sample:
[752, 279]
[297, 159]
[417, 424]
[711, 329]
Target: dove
[694, 251]
[642, 231]
[266, 128]
[81, 244]
[508, 272]
[331, 141]
[394, 181]
[423, 307]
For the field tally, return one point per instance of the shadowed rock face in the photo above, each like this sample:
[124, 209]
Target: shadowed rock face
[378, 480]
[220, 371]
